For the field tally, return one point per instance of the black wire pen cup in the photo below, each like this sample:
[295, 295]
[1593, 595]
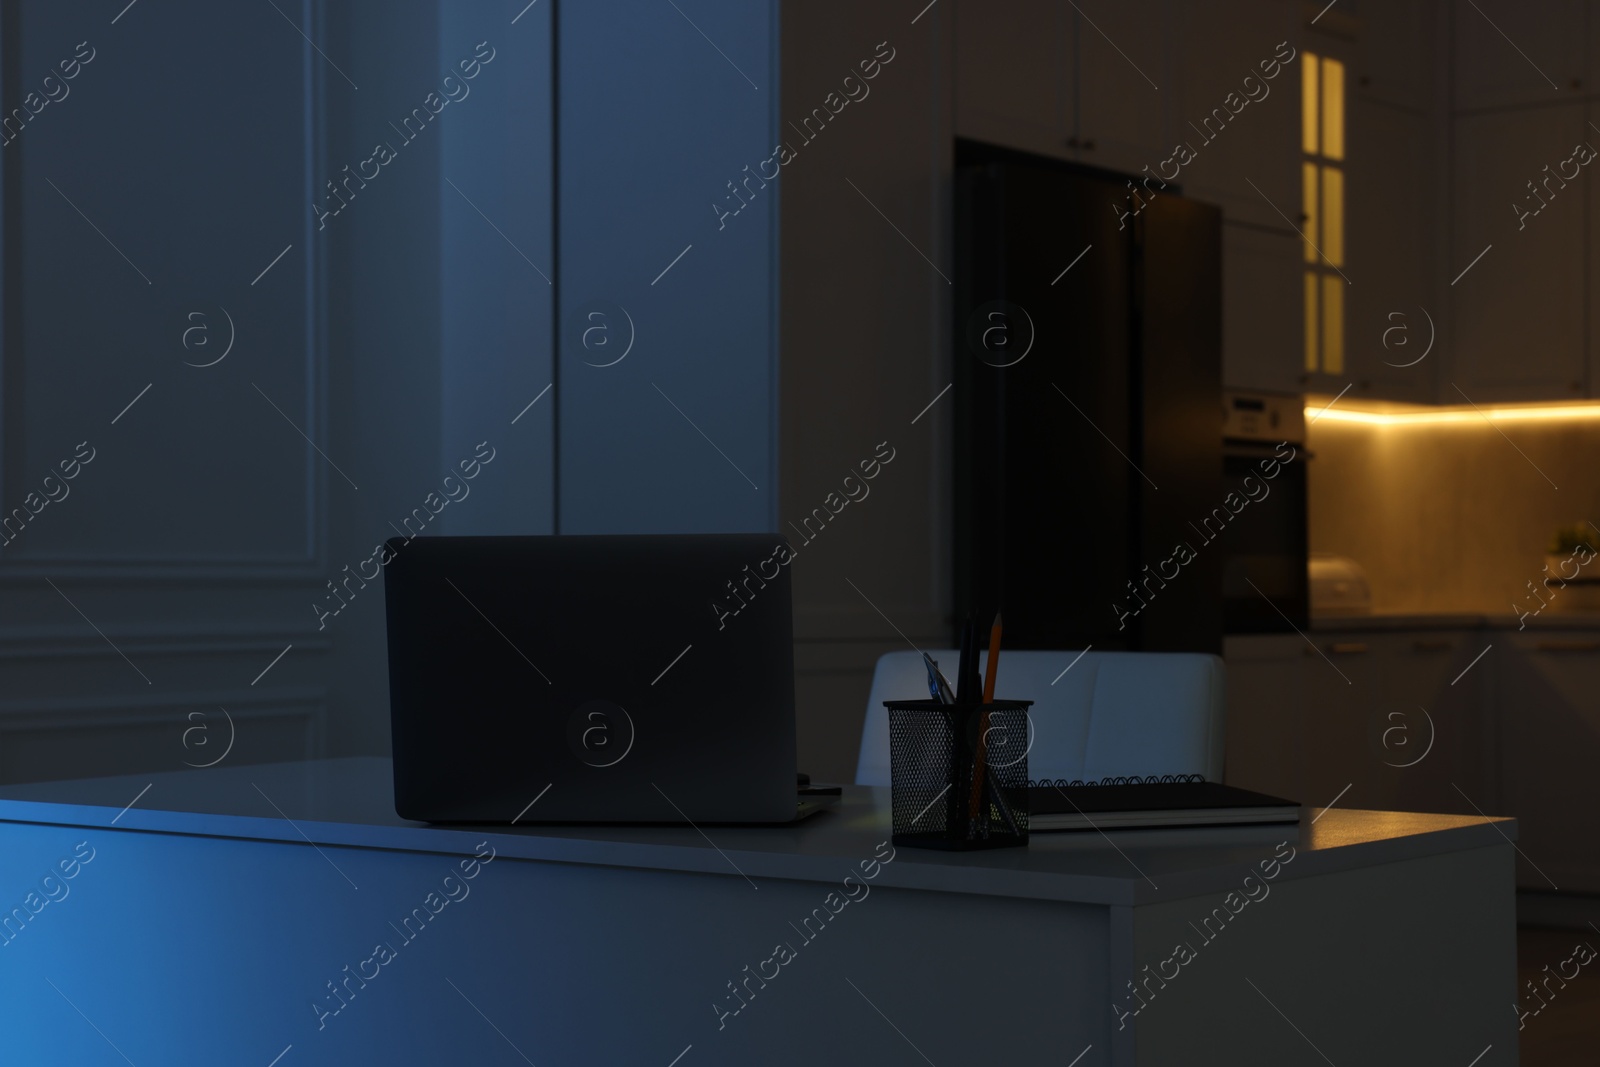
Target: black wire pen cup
[959, 773]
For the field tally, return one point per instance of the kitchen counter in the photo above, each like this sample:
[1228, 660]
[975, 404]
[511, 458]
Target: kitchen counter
[1445, 712]
[1340, 623]
[1546, 620]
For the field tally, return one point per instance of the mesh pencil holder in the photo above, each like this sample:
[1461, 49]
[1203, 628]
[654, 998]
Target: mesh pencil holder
[959, 773]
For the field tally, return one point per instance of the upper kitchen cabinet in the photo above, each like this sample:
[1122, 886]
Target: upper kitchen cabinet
[1236, 91]
[1123, 86]
[1086, 81]
[1371, 109]
[1261, 312]
[1015, 79]
[1396, 61]
[1517, 255]
[1510, 52]
[1236, 143]
[1393, 312]
[1592, 279]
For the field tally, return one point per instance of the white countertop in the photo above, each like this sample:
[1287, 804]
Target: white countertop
[349, 803]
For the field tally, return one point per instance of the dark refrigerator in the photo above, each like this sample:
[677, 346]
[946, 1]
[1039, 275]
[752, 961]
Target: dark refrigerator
[1088, 336]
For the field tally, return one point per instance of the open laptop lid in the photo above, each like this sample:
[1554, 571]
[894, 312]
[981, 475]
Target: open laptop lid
[592, 678]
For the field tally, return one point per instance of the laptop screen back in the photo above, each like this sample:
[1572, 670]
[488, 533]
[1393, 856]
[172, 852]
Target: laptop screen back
[592, 678]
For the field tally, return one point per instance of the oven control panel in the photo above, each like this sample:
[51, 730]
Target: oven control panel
[1267, 417]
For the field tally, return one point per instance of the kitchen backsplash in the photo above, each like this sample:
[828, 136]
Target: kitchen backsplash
[1451, 517]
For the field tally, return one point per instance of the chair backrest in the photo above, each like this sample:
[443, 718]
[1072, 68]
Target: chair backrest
[1095, 714]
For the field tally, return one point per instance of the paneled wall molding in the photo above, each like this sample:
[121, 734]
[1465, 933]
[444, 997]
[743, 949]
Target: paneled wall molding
[85, 737]
[106, 531]
[242, 703]
[285, 570]
[51, 642]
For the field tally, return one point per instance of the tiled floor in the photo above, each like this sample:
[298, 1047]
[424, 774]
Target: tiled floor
[1566, 1032]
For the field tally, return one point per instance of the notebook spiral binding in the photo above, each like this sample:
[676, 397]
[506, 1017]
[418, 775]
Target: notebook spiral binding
[1131, 779]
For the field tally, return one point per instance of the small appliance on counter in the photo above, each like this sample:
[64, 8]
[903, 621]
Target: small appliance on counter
[1571, 578]
[1338, 586]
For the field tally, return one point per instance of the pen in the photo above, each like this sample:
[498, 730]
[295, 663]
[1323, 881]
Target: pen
[966, 666]
[938, 688]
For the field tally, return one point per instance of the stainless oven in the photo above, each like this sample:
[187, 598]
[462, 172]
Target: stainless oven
[1265, 588]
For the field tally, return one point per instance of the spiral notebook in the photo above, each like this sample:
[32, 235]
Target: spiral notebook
[1169, 800]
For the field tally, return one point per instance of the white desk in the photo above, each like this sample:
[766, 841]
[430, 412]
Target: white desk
[208, 925]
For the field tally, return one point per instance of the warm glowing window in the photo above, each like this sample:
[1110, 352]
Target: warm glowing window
[1322, 206]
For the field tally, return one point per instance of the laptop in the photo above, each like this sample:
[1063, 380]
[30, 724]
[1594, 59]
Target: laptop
[620, 679]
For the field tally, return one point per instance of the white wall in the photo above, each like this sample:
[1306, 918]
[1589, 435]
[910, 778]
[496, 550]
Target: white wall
[184, 557]
[864, 341]
[655, 120]
[397, 332]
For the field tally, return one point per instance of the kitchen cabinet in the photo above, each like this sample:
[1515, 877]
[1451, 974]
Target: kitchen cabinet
[1075, 81]
[1262, 309]
[1374, 719]
[1429, 725]
[1390, 256]
[1547, 698]
[1592, 280]
[1398, 717]
[1508, 52]
[1339, 688]
[1395, 165]
[1298, 715]
[1397, 54]
[1513, 325]
[1267, 727]
[1391, 226]
[1015, 80]
[1520, 330]
[1518, 314]
[1249, 165]
[1447, 123]
[1387, 722]
[1121, 75]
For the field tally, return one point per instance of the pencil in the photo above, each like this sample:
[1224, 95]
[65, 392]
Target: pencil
[981, 757]
[994, 661]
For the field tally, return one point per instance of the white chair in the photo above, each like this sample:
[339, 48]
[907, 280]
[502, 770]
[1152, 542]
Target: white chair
[1111, 714]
